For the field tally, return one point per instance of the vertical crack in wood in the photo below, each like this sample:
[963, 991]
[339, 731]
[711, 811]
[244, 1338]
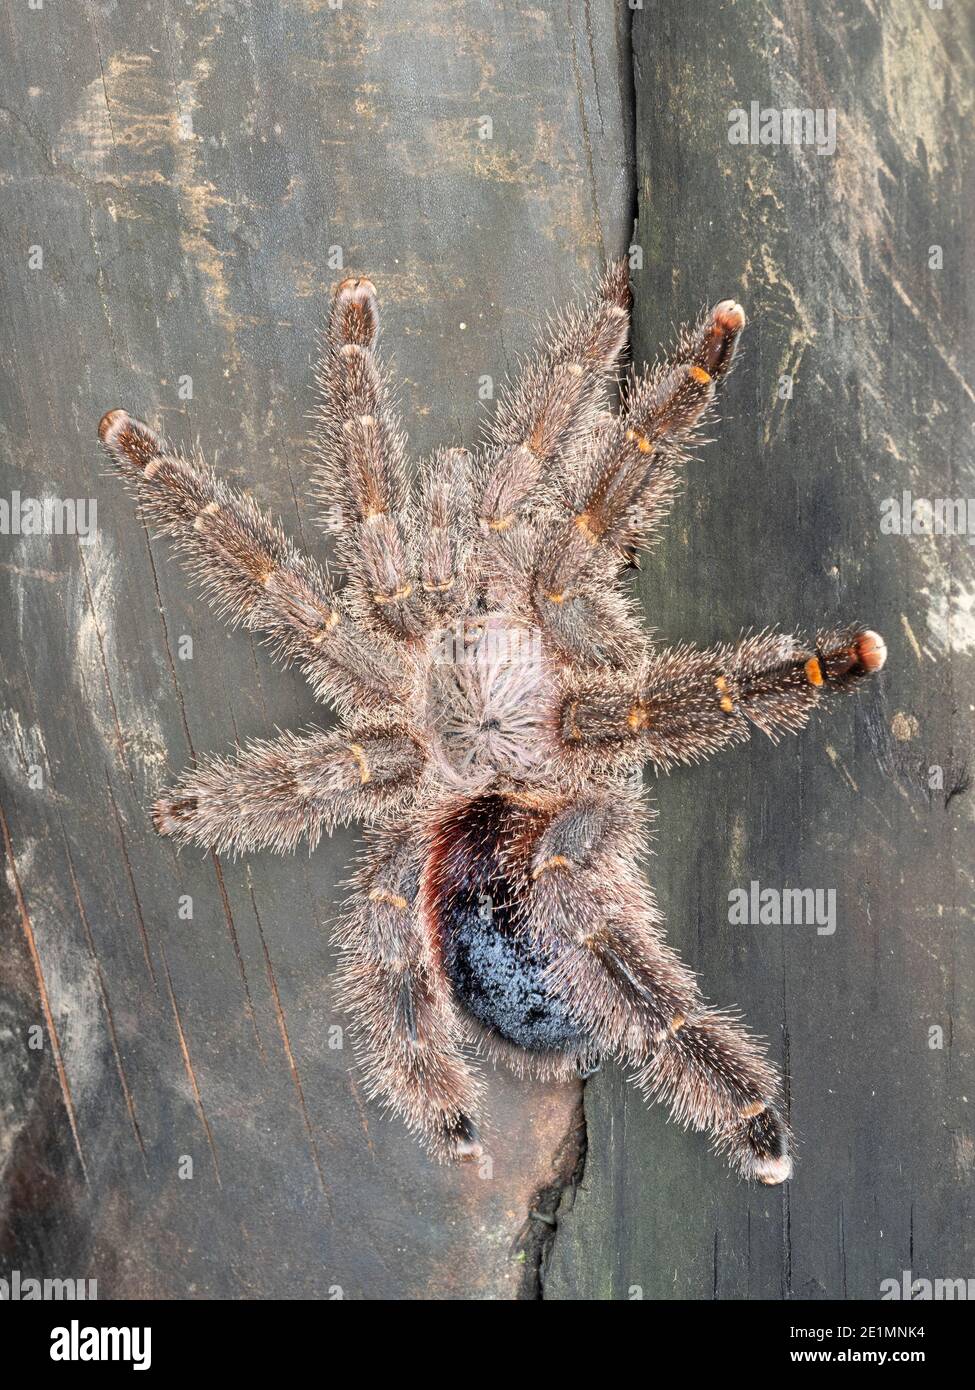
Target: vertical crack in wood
[533, 1245]
[130, 875]
[288, 1050]
[43, 994]
[536, 1241]
[190, 1070]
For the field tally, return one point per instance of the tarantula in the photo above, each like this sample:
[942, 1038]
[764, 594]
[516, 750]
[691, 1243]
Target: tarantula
[497, 699]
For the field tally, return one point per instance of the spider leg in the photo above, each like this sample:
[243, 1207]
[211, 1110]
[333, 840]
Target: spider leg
[597, 920]
[409, 1034]
[359, 471]
[273, 793]
[687, 703]
[580, 605]
[558, 399]
[622, 489]
[446, 531]
[252, 573]
[584, 614]
[617, 480]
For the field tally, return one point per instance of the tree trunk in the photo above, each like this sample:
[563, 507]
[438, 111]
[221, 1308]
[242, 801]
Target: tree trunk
[831, 256]
[190, 175]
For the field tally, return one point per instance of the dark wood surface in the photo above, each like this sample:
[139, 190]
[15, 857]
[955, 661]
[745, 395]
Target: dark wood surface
[185, 169]
[781, 523]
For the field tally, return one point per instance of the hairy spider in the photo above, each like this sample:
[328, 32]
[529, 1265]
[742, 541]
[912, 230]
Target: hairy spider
[497, 698]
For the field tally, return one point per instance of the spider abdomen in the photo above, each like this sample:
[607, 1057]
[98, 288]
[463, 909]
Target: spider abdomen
[496, 970]
[499, 978]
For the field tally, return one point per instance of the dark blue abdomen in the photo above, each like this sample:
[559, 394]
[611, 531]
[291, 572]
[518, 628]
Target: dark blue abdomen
[496, 972]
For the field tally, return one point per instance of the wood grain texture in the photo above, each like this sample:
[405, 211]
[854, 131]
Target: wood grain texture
[185, 168]
[782, 523]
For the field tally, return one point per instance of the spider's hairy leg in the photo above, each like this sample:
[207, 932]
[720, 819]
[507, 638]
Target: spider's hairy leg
[252, 573]
[407, 1030]
[688, 703]
[446, 532]
[359, 470]
[275, 793]
[616, 493]
[585, 613]
[596, 918]
[627, 482]
[672, 399]
[557, 400]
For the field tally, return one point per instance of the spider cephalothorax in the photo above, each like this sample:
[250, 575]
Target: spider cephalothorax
[497, 699]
